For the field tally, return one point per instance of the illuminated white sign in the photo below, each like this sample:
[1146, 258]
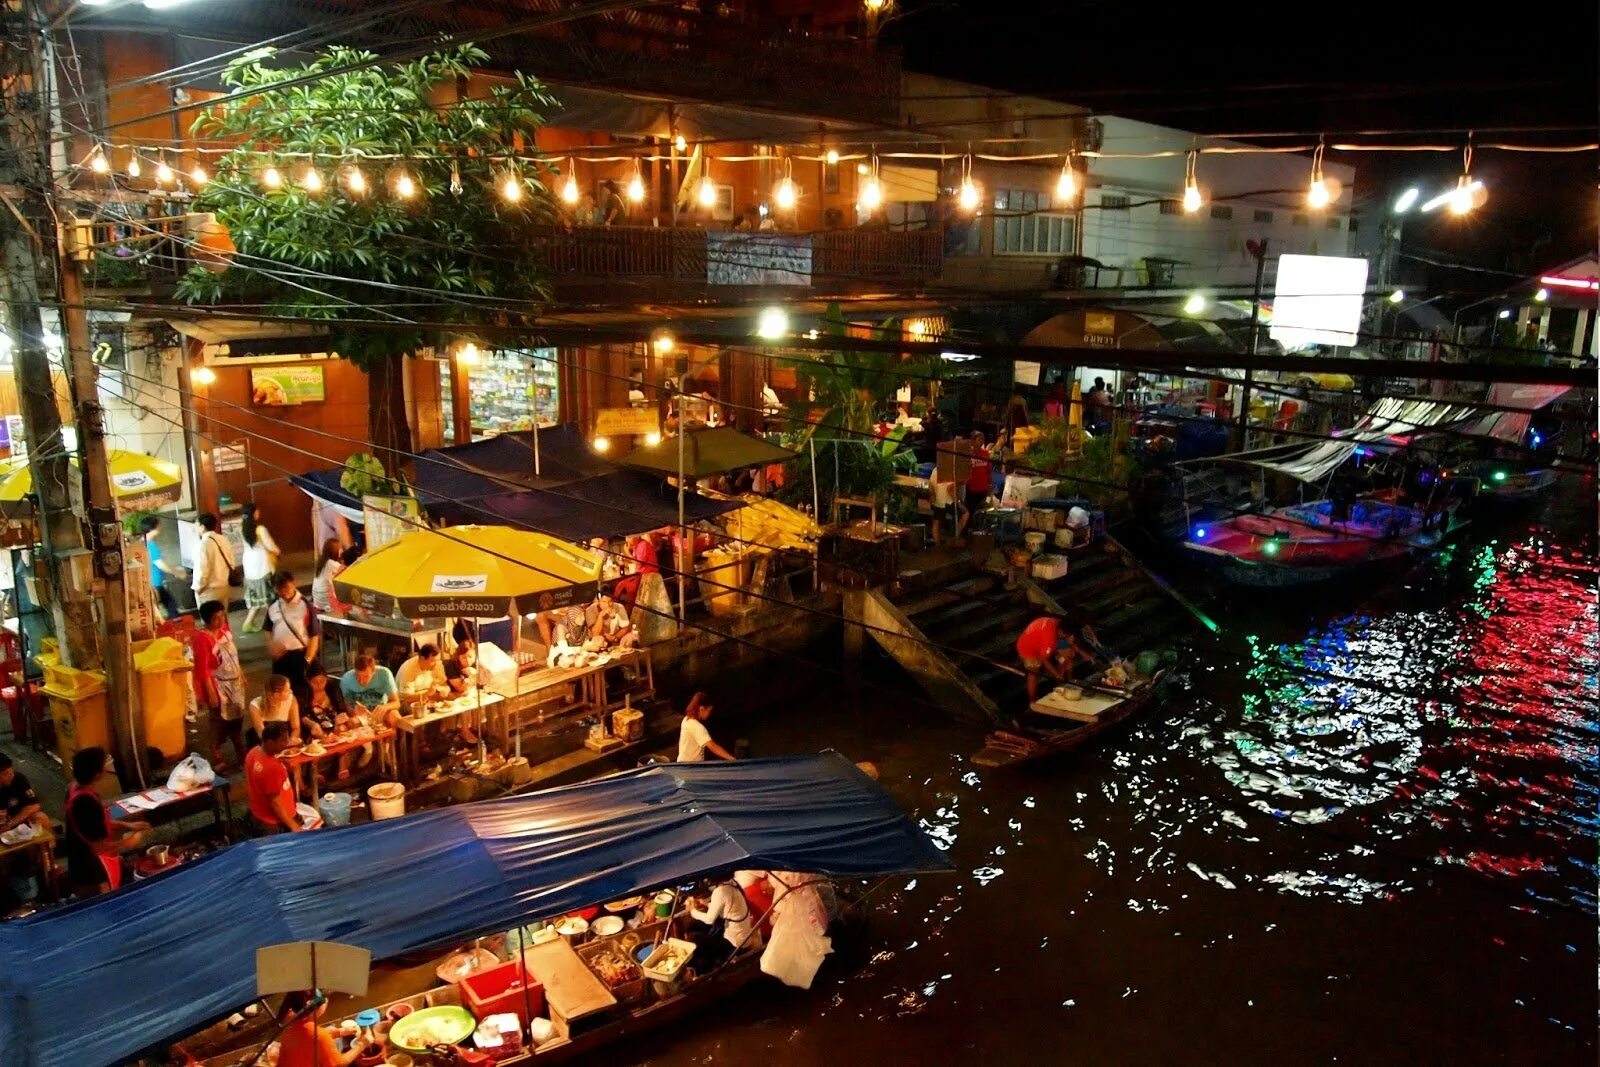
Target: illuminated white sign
[1318, 300]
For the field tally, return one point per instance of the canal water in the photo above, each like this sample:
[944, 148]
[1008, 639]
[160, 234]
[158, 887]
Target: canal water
[1362, 831]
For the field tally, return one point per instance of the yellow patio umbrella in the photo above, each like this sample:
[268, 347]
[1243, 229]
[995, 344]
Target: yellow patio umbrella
[138, 482]
[474, 571]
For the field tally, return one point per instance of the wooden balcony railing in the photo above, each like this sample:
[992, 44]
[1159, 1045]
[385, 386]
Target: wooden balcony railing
[840, 260]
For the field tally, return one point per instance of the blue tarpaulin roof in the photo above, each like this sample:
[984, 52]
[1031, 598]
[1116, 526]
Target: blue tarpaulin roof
[609, 505]
[95, 983]
[325, 486]
[506, 462]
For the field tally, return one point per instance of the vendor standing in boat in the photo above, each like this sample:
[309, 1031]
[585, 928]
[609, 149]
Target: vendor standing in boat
[730, 921]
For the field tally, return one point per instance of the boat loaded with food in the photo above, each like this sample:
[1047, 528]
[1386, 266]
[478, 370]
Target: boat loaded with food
[1074, 713]
[555, 922]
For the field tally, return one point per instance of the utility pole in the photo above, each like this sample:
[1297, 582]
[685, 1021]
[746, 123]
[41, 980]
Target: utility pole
[1259, 250]
[81, 573]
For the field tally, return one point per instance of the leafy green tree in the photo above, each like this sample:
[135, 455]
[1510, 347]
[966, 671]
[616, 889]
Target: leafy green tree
[843, 394]
[405, 220]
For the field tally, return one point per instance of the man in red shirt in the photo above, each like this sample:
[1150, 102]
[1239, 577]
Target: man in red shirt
[266, 782]
[979, 481]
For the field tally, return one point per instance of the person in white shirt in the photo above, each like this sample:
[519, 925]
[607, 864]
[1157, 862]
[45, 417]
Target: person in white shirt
[295, 635]
[728, 905]
[425, 664]
[213, 562]
[694, 740]
[260, 562]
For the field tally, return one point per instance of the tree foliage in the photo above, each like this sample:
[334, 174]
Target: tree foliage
[449, 252]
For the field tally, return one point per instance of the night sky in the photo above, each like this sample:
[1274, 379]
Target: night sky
[1347, 67]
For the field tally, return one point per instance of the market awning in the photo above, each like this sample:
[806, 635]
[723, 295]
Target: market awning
[221, 329]
[706, 452]
[610, 505]
[478, 571]
[1388, 417]
[1512, 426]
[505, 463]
[138, 482]
[95, 983]
[326, 486]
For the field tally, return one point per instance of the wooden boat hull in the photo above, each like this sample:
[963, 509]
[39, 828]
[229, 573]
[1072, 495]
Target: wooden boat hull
[1006, 748]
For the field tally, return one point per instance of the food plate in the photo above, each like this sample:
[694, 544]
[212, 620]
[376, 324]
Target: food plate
[625, 904]
[314, 749]
[607, 925]
[447, 1024]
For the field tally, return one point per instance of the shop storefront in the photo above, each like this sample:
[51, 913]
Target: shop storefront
[505, 390]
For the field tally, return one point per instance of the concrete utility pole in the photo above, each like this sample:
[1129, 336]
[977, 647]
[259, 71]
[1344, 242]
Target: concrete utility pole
[38, 243]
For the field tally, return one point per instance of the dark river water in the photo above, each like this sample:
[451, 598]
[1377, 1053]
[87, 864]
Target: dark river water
[1363, 831]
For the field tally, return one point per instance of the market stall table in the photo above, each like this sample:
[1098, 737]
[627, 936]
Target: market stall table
[43, 843]
[410, 763]
[387, 635]
[299, 760]
[159, 806]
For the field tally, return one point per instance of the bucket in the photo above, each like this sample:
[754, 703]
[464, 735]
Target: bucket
[1034, 539]
[335, 809]
[388, 800]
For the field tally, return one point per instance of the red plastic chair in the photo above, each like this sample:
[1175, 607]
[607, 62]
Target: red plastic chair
[21, 700]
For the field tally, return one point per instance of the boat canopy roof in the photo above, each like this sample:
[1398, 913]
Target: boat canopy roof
[1389, 417]
[96, 982]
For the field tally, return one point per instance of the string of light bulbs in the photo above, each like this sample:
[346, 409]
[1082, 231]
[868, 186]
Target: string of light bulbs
[1322, 190]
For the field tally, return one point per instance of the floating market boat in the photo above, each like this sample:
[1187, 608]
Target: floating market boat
[1507, 482]
[1075, 713]
[1305, 543]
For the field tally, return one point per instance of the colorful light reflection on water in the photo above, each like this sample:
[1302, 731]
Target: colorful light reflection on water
[1367, 834]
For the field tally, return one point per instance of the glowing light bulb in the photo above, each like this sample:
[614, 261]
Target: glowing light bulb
[1542, 295]
[311, 181]
[784, 196]
[1192, 198]
[1195, 304]
[833, 157]
[203, 376]
[708, 193]
[133, 166]
[773, 324]
[468, 356]
[1407, 200]
[356, 181]
[1462, 199]
[271, 178]
[871, 197]
[680, 142]
[569, 190]
[652, 439]
[664, 342]
[1397, 297]
[98, 163]
[163, 173]
[968, 196]
[198, 175]
[636, 188]
[1067, 184]
[404, 186]
[1317, 196]
[602, 444]
[511, 188]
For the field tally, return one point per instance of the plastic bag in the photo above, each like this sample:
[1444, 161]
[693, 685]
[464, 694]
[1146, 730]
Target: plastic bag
[191, 773]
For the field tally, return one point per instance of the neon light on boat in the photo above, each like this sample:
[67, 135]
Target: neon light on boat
[1200, 533]
[1499, 476]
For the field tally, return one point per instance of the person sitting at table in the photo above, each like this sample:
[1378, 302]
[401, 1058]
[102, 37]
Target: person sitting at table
[277, 703]
[305, 1044]
[461, 669]
[570, 635]
[609, 623]
[328, 714]
[17, 798]
[266, 780]
[370, 690]
[417, 672]
[94, 840]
